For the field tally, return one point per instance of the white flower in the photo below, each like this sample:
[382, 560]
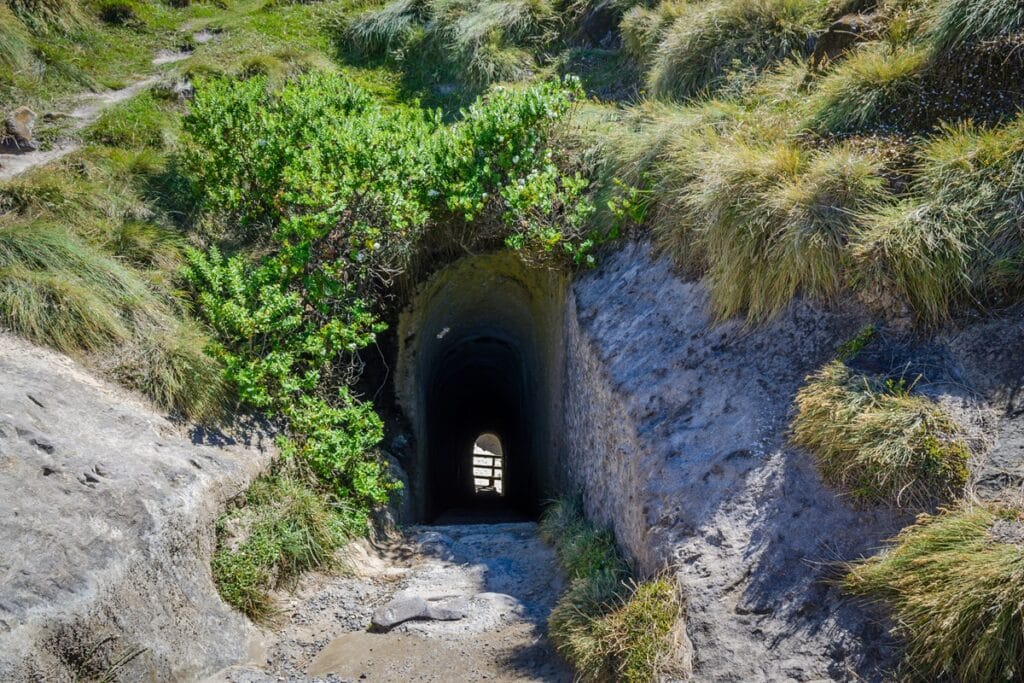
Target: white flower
[376, 245]
[432, 193]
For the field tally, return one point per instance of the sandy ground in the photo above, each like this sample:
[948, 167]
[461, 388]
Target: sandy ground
[502, 575]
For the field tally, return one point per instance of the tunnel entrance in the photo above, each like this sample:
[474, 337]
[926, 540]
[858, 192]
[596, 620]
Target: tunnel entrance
[479, 377]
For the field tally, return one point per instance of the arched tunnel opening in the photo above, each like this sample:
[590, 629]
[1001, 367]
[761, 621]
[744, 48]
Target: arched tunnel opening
[480, 354]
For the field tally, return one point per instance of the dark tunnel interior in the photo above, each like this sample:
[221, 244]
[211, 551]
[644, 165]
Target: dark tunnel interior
[479, 385]
[479, 354]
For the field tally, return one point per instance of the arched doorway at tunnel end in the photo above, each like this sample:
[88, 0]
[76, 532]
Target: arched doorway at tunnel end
[488, 465]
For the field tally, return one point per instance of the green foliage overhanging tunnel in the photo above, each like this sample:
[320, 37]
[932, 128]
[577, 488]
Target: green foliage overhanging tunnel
[337, 192]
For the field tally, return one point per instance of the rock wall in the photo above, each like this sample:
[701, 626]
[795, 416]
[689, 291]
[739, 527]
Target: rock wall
[675, 433]
[108, 530]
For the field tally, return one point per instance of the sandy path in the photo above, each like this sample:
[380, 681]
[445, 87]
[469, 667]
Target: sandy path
[502, 575]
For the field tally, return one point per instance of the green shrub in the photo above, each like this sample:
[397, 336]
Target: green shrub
[869, 90]
[877, 441]
[712, 42]
[141, 121]
[285, 528]
[608, 627]
[961, 22]
[955, 585]
[955, 241]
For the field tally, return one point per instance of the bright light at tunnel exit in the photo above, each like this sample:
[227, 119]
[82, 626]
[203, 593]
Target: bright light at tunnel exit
[488, 464]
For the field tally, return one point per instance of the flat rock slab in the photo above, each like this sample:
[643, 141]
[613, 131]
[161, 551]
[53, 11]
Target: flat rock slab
[405, 609]
[108, 516]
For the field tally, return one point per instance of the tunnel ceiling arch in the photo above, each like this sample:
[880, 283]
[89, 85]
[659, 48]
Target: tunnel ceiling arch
[480, 350]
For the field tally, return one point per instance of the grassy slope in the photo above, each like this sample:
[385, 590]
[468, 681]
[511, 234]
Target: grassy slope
[772, 180]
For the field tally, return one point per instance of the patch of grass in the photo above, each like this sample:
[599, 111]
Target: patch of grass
[142, 121]
[117, 12]
[712, 43]
[42, 15]
[286, 527]
[961, 22]
[955, 242]
[955, 585]
[773, 221]
[877, 441]
[102, 285]
[869, 90]
[169, 364]
[57, 291]
[15, 41]
[643, 28]
[480, 42]
[852, 347]
[380, 31]
[607, 626]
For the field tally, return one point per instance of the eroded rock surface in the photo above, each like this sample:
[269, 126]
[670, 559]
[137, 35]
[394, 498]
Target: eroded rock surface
[676, 432]
[108, 527]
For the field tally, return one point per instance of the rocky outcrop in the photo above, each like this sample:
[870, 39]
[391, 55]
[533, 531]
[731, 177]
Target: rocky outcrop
[676, 434]
[108, 530]
[19, 130]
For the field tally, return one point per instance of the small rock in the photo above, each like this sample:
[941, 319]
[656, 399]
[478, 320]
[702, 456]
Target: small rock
[19, 129]
[401, 610]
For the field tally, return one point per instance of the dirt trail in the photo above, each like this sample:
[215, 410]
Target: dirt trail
[501, 575]
[88, 108]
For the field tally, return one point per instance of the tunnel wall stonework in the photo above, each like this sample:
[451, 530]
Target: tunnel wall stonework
[490, 296]
[675, 434]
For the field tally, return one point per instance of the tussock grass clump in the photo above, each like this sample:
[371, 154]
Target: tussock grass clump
[89, 269]
[956, 242]
[42, 15]
[713, 42]
[15, 42]
[390, 27]
[770, 222]
[285, 527]
[484, 42]
[607, 626]
[142, 121]
[643, 28]
[874, 88]
[955, 585]
[169, 364]
[877, 441]
[961, 22]
[58, 291]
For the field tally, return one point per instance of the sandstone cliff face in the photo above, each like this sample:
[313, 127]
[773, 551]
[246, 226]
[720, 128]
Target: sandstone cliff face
[108, 527]
[675, 430]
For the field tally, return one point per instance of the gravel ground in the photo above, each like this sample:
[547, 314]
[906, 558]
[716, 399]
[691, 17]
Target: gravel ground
[502, 575]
